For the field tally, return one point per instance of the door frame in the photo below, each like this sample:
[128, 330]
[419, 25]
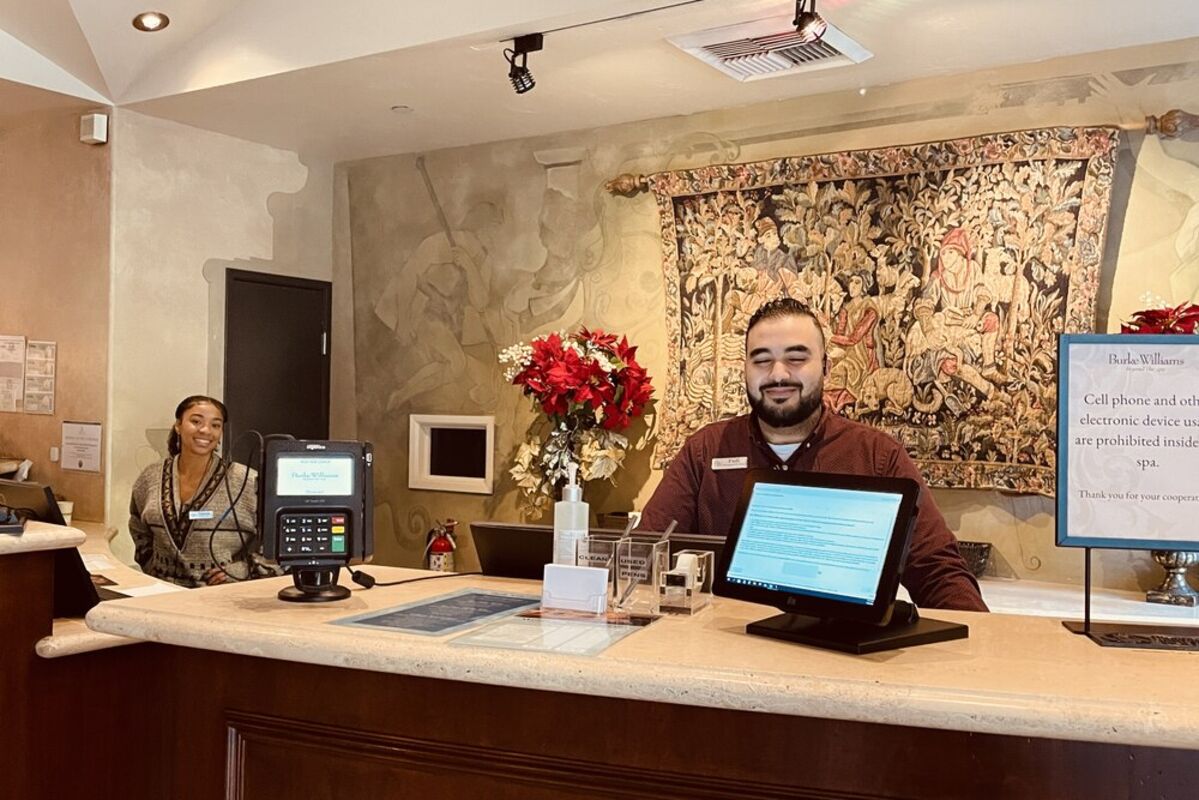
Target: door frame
[271, 279]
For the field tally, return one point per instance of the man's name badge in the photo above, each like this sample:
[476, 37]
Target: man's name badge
[205, 514]
[730, 462]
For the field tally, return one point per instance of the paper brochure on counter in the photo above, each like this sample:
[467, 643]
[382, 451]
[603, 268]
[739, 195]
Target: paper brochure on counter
[1128, 441]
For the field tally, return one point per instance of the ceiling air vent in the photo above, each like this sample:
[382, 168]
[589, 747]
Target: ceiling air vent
[768, 48]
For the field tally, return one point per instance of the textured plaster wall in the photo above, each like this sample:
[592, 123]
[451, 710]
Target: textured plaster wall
[54, 243]
[530, 242]
[188, 205]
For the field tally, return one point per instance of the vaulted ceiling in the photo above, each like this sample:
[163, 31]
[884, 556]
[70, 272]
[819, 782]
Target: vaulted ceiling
[321, 77]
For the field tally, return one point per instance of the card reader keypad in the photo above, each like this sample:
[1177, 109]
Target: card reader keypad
[314, 534]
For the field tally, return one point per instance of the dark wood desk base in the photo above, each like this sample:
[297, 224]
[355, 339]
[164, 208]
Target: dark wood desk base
[151, 721]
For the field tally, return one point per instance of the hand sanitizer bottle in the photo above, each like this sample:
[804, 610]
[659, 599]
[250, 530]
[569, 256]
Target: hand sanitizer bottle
[570, 519]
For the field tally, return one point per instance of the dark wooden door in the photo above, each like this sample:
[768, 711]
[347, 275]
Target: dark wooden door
[276, 358]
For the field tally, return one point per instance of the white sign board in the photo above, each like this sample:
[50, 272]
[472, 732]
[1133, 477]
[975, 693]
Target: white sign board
[81, 446]
[1128, 441]
[41, 359]
[12, 372]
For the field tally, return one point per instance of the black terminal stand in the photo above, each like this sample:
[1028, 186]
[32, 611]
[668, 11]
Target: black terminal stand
[1149, 637]
[906, 629]
[316, 499]
[314, 585]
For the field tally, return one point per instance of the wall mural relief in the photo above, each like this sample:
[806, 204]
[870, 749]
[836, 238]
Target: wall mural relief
[469, 271]
[452, 265]
[942, 272]
[438, 303]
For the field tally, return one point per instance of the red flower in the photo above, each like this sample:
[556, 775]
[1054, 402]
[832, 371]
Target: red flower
[598, 338]
[590, 371]
[1182, 319]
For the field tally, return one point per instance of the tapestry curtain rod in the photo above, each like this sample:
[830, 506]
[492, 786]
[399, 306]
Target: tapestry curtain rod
[1171, 125]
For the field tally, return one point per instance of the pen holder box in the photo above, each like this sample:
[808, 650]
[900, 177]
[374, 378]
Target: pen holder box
[639, 567]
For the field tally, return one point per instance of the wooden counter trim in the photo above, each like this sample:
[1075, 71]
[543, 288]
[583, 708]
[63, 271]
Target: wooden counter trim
[870, 701]
[395, 735]
[303, 740]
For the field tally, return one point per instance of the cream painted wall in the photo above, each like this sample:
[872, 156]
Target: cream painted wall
[558, 228]
[188, 205]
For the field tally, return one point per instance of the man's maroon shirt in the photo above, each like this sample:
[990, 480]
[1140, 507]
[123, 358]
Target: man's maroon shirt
[703, 499]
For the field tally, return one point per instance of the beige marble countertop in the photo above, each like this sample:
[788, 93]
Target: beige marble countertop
[1066, 601]
[72, 636]
[40, 536]
[1015, 675]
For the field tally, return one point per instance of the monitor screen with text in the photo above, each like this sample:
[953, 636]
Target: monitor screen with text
[823, 542]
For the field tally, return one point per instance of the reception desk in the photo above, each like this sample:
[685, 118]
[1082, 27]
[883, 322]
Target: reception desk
[240, 695]
[75, 725]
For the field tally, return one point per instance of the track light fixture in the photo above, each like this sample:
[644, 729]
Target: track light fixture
[518, 73]
[808, 24]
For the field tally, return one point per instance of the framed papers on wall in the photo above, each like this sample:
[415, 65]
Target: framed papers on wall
[1128, 441]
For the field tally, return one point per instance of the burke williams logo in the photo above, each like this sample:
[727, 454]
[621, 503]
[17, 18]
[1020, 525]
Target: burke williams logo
[1154, 359]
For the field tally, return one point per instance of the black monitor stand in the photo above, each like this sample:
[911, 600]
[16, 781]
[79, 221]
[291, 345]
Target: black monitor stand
[314, 585]
[906, 629]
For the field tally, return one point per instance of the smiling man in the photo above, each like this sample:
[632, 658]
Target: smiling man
[790, 428]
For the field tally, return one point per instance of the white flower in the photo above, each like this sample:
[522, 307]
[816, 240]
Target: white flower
[518, 356]
[1151, 300]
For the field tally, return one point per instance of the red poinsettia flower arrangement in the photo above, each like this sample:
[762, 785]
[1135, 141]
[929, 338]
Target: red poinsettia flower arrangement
[588, 374]
[1181, 319]
[590, 387]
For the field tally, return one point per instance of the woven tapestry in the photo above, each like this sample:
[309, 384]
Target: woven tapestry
[942, 273]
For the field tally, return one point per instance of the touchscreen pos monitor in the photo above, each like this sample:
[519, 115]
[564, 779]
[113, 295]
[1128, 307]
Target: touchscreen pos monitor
[828, 551]
[316, 508]
[28, 500]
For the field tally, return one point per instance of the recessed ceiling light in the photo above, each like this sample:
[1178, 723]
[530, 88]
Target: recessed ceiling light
[151, 21]
[401, 109]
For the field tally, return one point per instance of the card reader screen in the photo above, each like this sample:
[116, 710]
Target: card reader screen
[315, 476]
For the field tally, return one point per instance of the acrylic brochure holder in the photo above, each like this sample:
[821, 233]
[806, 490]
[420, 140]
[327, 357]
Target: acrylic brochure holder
[566, 587]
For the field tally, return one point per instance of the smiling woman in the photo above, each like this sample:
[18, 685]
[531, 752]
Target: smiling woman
[192, 517]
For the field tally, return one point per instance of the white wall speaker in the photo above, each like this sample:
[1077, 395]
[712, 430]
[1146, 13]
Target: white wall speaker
[93, 128]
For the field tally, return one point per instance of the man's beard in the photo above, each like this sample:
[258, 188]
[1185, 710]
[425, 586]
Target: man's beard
[777, 417]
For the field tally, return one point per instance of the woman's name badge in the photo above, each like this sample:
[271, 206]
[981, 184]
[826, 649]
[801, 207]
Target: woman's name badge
[203, 514]
[730, 462]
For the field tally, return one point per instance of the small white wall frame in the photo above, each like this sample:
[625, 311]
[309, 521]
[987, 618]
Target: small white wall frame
[420, 435]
